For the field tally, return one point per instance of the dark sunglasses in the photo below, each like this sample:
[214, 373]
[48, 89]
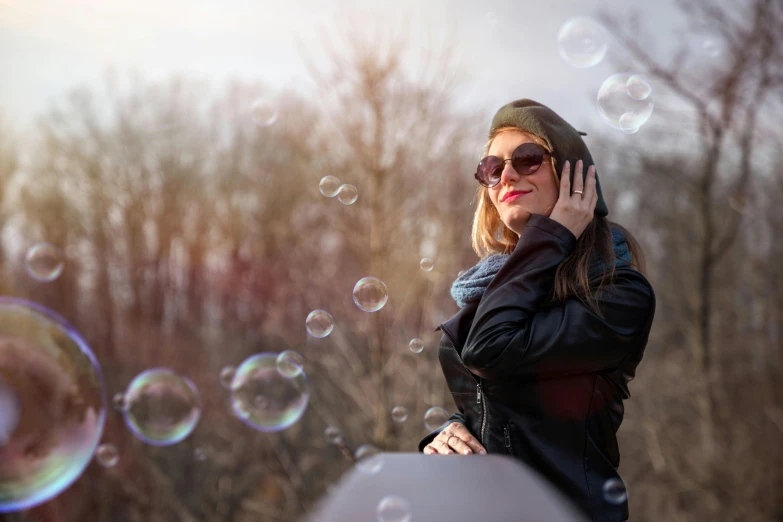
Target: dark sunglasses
[525, 160]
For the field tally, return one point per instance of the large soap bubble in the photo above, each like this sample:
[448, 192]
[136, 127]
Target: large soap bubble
[161, 407]
[625, 101]
[370, 294]
[582, 42]
[52, 404]
[264, 399]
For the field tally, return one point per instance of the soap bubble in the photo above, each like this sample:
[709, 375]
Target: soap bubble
[226, 376]
[200, 454]
[614, 102]
[163, 408]
[435, 417]
[368, 459]
[400, 414]
[582, 42]
[347, 194]
[614, 491]
[461, 273]
[119, 402]
[427, 264]
[370, 294]
[44, 262]
[264, 399]
[394, 508]
[107, 455]
[333, 435]
[627, 123]
[289, 364]
[637, 88]
[264, 112]
[329, 186]
[319, 323]
[52, 404]
[416, 345]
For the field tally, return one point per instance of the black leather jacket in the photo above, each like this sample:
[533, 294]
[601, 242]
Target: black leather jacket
[546, 384]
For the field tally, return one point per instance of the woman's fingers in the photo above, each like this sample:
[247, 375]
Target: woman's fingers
[565, 182]
[468, 439]
[578, 182]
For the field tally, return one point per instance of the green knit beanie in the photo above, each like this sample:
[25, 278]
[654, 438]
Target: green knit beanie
[563, 140]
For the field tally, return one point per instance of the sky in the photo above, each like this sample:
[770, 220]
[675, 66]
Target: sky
[508, 48]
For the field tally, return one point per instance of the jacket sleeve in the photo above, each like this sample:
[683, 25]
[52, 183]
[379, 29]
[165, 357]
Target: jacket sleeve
[512, 337]
[455, 417]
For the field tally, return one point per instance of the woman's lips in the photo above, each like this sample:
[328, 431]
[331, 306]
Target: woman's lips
[514, 196]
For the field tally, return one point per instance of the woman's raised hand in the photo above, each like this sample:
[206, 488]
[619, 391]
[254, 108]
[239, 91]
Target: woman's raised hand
[574, 210]
[454, 439]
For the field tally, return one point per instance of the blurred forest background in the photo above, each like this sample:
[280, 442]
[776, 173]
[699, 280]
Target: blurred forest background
[195, 238]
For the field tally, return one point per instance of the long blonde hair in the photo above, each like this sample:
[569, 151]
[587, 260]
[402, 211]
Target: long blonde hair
[491, 236]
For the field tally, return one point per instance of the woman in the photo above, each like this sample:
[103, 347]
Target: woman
[554, 318]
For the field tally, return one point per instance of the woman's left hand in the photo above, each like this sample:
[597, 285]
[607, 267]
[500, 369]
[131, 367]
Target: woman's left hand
[573, 210]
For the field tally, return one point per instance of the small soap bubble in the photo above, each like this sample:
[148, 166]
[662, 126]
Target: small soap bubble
[461, 273]
[319, 323]
[107, 455]
[226, 376]
[347, 194]
[435, 417]
[368, 459]
[289, 364]
[163, 408]
[200, 454]
[582, 42]
[394, 508]
[615, 103]
[638, 88]
[329, 186]
[44, 262]
[399, 414]
[427, 264]
[333, 435]
[627, 123]
[370, 294]
[264, 112]
[119, 402]
[52, 405]
[416, 345]
[285, 399]
[614, 491]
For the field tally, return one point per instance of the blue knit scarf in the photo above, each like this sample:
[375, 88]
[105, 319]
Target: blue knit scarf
[470, 286]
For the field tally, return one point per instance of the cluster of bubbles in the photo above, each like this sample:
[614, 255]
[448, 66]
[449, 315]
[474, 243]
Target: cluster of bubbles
[624, 100]
[44, 262]
[160, 407]
[52, 404]
[330, 187]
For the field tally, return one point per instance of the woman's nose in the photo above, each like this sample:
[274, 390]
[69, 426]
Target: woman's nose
[508, 175]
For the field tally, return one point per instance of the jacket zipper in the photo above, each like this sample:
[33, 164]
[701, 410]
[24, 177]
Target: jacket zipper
[507, 435]
[478, 387]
